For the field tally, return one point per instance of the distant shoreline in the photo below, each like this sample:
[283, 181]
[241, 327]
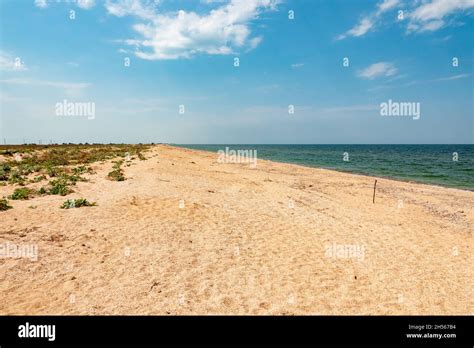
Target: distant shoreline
[201, 147]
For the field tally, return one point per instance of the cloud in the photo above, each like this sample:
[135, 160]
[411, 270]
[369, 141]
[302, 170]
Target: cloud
[41, 3]
[70, 88]
[430, 16]
[376, 70]
[454, 77]
[440, 79]
[86, 4]
[10, 63]
[426, 15]
[351, 108]
[368, 22]
[138, 8]
[184, 34]
[386, 5]
[360, 29]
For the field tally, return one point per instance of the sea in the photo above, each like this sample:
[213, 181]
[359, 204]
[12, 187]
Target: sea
[444, 165]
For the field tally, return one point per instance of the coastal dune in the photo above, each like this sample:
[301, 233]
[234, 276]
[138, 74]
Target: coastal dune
[184, 234]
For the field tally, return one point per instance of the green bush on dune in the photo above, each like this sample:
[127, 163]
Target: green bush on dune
[117, 173]
[77, 203]
[59, 187]
[4, 172]
[16, 178]
[4, 204]
[22, 193]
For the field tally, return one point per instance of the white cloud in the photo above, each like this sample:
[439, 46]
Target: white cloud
[386, 5]
[10, 63]
[184, 34]
[425, 15]
[368, 22]
[360, 29]
[453, 77]
[41, 3]
[138, 8]
[351, 108]
[430, 16]
[86, 4]
[379, 69]
[70, 88]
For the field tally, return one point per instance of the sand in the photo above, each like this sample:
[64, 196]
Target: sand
[247, 241]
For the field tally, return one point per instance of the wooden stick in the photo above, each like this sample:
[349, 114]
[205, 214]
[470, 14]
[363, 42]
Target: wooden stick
[373, 198]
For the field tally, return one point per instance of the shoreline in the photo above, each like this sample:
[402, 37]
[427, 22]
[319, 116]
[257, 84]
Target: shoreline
[410, 181]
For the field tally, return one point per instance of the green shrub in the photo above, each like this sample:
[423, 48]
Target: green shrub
[4, 172]
[116, 174]
[77, 203]
[81, 170]
[22, 193]
[73, 178]
[39, 178]
[16, 178]
[59, 187]
[54, 171]
[4, 204]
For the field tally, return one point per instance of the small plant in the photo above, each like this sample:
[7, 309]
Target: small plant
[77, 203]
[4, 172]
[4, 204]
[53, 171]
[117, 164]
[140, 156]
[39, 178]
[74, 178]
[116, 174]
[81, 170]
[59, 187]
[22, 193]
[16, 178]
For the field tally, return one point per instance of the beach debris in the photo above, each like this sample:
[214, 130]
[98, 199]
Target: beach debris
[155, 283]
[375, 184]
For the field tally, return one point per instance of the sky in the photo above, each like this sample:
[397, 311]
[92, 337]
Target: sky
[308, 72]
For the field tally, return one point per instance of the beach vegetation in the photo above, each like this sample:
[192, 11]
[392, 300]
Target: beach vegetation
[22, 193]
[77, 203]
[4, 204]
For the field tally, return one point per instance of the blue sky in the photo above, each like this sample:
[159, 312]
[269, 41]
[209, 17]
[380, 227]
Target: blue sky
[182, 53]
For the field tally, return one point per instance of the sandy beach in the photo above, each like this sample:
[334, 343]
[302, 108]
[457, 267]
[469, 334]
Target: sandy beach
[184, 234]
